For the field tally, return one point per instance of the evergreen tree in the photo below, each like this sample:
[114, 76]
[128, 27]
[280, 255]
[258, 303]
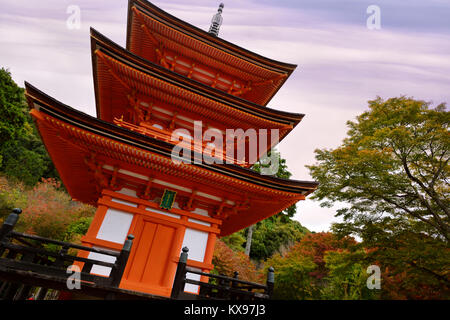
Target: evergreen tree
[23, 156]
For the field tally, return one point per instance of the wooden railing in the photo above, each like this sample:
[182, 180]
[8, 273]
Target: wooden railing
[25, 252]
[219, 287]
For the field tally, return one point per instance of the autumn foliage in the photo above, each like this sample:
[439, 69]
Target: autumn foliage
[47, 210]
[226, 262]
[315, 246]
[301, 273]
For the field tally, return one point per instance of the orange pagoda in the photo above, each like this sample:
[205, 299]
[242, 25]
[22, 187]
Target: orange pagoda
[171, 77]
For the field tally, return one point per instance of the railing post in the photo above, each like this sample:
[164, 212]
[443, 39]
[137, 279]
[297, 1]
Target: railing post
[270, 281]
[223, 293]
[9, 223]
[121, 262]
[87, 267]
[180, 275]
[59, 262]
[235, 276]
[234, 285]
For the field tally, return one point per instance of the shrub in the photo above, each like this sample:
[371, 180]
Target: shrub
[47, 210]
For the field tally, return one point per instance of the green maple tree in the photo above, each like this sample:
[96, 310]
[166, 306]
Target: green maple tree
[392, 171]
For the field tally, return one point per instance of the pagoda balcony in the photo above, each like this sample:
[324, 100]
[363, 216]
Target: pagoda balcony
[217, 156]
[30, 271]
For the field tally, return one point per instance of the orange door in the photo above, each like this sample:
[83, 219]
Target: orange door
[151, 266]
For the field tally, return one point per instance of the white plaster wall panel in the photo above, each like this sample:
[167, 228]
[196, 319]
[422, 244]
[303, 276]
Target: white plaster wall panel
[101, 270]
[199, 222]
[202, 212]
[172, 215]
[128, 192]
[196, 241]
[189, 287]
[115, 226]
[127, 203]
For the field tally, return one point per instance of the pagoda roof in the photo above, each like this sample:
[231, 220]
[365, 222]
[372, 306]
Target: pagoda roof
[118, 72]
[149, 27]
[71, 137]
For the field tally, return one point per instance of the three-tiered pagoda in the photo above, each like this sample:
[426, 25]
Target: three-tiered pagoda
[171, 77]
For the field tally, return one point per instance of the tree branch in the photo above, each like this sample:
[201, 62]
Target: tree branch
[431, 192]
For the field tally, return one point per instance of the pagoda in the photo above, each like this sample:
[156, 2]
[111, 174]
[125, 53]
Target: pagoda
[172, 80]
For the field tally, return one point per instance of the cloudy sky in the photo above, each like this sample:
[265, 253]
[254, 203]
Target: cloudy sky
[341, 62]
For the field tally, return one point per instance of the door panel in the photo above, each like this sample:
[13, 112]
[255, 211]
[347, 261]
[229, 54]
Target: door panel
[158, 257]
[142, 251]
[150, 260]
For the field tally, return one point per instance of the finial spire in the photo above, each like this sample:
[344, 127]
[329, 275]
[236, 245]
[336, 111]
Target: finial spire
[216, 21]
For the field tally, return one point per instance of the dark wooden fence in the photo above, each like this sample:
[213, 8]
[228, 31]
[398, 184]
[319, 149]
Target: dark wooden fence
[23, 255]
[219, 287]
[29, 261]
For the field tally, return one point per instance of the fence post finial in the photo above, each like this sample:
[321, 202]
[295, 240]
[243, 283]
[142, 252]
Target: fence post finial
[9, 223]
[184, 254]
[180, 274]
